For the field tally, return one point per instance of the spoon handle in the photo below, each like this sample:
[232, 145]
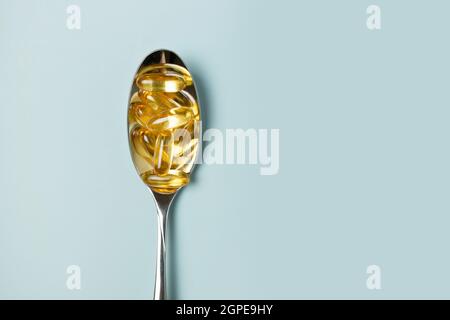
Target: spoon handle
[163, 202]
[160, 279]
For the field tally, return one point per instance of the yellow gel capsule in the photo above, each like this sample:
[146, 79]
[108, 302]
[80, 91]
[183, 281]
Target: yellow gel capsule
[160, 83]
[135, 98]
[158, 101]
[168, 69]
[153, 119]
[168, 183]
[184, 156]
[185, 112]
[182, 99]
[169, 121]
[184, 139]
[141, 113]
[163, 153]
[186, 136]
[143, 142]
[161, 102]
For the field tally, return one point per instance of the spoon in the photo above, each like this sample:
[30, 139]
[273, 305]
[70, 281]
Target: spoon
[163, 131]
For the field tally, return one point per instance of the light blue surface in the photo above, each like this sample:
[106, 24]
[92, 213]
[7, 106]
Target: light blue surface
[364, 154]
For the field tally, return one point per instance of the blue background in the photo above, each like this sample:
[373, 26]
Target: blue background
[364, 159]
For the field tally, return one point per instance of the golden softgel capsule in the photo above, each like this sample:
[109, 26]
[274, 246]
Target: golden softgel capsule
[163, 126]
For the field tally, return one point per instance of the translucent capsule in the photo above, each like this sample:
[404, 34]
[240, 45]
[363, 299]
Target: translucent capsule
[169, 121]
[166, 119]
[155, 149]
[142, 142]
[165, 101]
[182, 99]
[161, 83]
[184, 156]
[184, 139]
[135, 98]
[163, 152]
[163, 78]
[168, 183]
[158, 101]
[141, 114]
[167, 69]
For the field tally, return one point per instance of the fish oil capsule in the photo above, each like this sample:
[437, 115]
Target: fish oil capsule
[141, 114]
[168, 121]
[168, 183]
[185, 112]
[163, 78]
[184, 156]
[183, 99]
[163, 152]
[160, 83]
[143, 142]
[167, 69]
[153, 119]
[185, 137]
[185, 146]
[158, 101]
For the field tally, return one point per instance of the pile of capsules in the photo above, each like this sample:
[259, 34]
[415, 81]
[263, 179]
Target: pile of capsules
[163, 124]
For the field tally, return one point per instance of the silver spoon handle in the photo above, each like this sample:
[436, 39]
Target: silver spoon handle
[163, 202]
[160, 279]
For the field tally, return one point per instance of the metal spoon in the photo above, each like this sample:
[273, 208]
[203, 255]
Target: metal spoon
[163, 200]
